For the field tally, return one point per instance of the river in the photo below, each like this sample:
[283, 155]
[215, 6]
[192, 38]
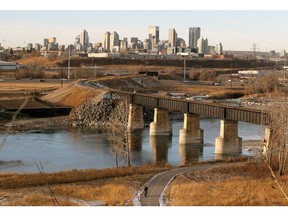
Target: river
[76, 148]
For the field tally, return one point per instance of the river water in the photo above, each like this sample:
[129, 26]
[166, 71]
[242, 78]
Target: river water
[76, 148]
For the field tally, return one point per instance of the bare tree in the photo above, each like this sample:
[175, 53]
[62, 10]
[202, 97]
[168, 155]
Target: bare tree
[44, 178]
[276, 143]
[118, 133]
[12, 121]
[269, 82]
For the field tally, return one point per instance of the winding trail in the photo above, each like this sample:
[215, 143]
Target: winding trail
[158, 183]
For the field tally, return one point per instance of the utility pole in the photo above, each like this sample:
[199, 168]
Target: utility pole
[184, 68]
[284, 73]
[68, 62]
[184, 55]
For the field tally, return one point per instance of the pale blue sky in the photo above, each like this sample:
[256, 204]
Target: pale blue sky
[235, 29]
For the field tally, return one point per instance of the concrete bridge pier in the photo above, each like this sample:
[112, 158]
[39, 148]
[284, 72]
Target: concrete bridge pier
[228, 142]
[191, 133]
[135, 117]
[161, 125]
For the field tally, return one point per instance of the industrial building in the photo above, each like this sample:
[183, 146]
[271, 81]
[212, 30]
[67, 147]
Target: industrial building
[8, 66]
[251, 73]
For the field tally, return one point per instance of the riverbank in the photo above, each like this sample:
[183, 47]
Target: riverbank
[240, 186]
[26, 124]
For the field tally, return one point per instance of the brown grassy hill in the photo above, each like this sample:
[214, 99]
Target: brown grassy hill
[39, 61]
[72, 95]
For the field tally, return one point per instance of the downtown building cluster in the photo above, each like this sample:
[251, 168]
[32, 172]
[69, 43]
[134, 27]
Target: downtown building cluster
[153, 44]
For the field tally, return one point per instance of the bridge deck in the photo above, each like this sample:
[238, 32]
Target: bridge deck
[221, 111]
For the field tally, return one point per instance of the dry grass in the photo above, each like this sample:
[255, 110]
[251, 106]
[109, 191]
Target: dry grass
[71, 95]
[250, 185]
[39, 61]
[247, 185]
[8, 180]
[38, 200]
[114, 187]
[111, 194]
[35, 86]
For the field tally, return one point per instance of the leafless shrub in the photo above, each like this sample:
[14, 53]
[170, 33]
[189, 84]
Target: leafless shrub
[275, 143]
[118, 133]
[268, 83]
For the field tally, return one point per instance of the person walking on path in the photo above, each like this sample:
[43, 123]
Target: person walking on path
[146, 191]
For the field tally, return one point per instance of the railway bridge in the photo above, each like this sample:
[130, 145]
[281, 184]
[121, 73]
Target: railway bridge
[228, 141]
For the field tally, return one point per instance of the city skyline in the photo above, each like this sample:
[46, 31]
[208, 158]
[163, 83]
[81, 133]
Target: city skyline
[236, 30]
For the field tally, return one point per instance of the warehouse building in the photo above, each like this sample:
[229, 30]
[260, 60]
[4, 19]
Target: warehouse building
[8, 65]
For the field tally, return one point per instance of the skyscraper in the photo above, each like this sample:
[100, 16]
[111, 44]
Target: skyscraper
[219, 49]
[114, 40]
[84, 40]
[153, 36]
[134, 42]
[202, 45]
[45, 43]
[106, 41]
[124, 45]
[194, 35]
[52, 40]
[172, 37]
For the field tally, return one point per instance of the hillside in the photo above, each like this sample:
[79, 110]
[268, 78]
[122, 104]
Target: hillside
[39, 61]
[72, 95]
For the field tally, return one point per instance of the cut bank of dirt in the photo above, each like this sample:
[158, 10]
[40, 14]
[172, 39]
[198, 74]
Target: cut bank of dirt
[72, 95]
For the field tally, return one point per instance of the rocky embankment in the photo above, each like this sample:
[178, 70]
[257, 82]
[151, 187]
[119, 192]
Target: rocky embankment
[96, 113]
[93, 113]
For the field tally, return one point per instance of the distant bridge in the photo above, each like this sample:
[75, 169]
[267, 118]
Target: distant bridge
[207, 109]
[228, 141]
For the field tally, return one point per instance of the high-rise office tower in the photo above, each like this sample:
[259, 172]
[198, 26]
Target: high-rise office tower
[194, 35]
[114, 40]
[124, 45]
[84, 40]
[172, 37]
[153, 36]
[146, 44]
[29, 46]
[219, 49]
[37, 46]
[52, 40]
[134, 42]
[106, 41]
[202, 45]
[45, 43]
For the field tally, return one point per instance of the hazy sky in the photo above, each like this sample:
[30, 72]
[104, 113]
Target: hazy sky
[235, 29]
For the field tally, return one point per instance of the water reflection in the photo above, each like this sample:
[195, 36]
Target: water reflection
[85, 148]
[190, 153]
[159, 146]
[135, 140]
